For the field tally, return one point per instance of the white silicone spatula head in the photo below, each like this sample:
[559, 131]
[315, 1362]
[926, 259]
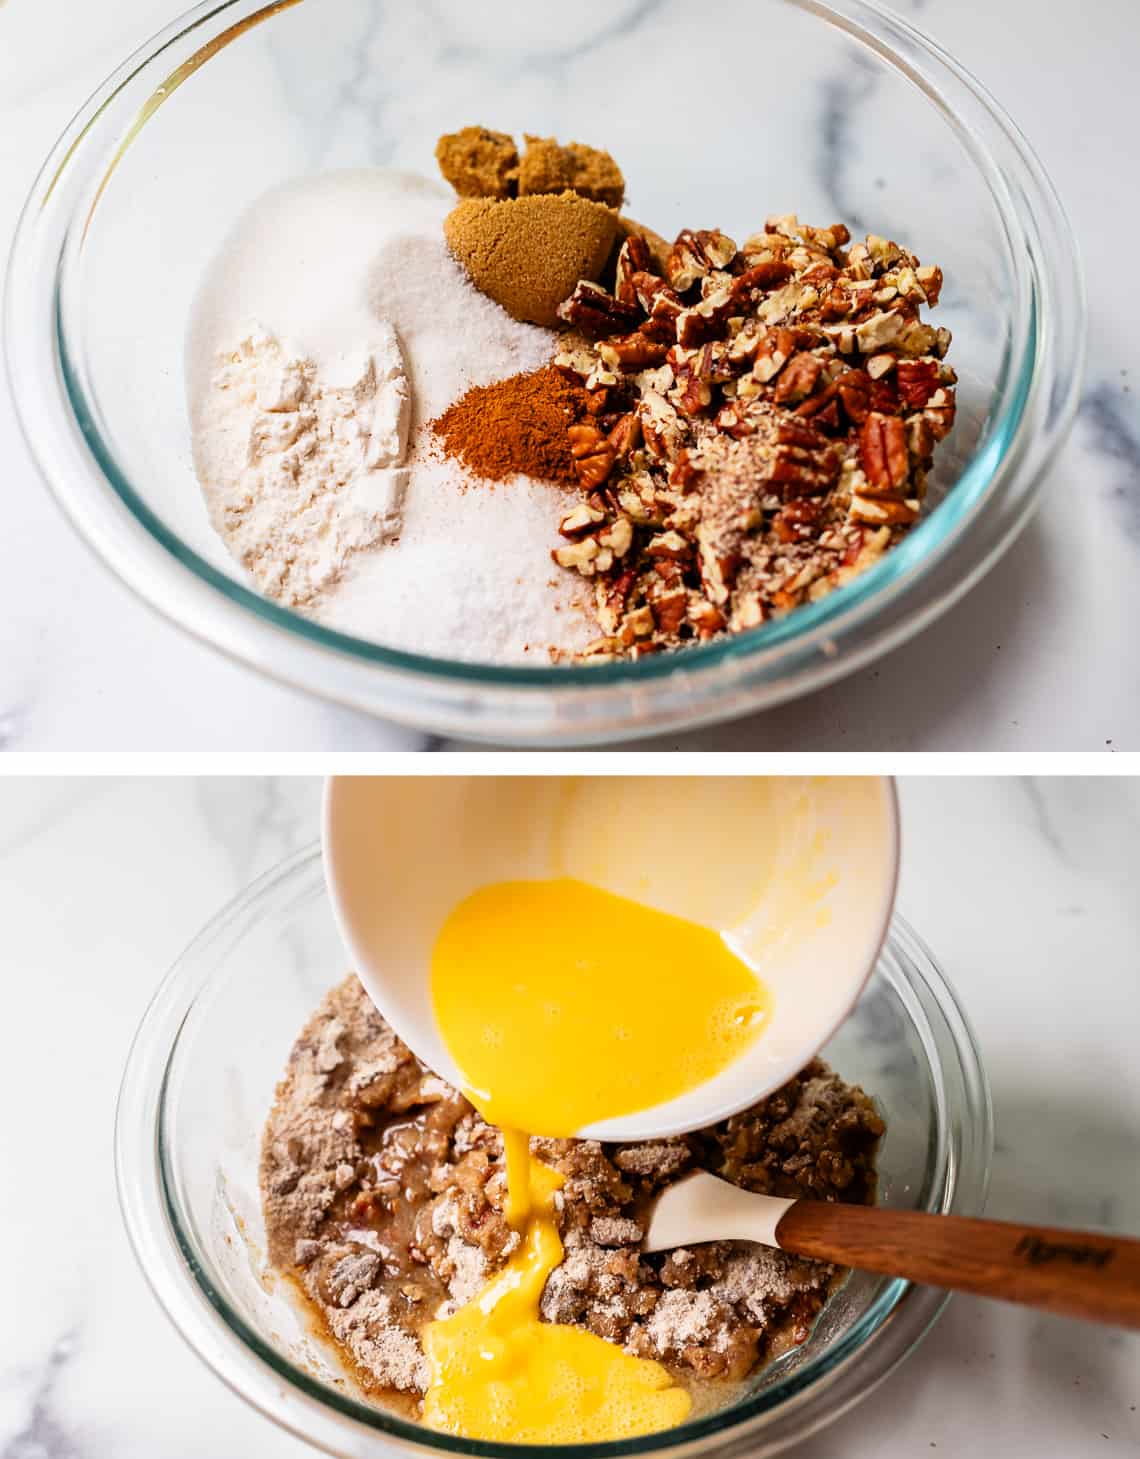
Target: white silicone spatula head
[797, 873]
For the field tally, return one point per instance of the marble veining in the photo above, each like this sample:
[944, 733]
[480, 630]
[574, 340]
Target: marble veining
[1041, 655]
[1024, 890]
[1115, 436]
[45, 1435]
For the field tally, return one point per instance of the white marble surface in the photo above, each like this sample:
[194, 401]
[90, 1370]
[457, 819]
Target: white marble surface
[1041, 656]
[1025, 891]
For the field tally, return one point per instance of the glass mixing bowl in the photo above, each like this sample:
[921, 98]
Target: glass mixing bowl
[200, 1082]
[834, 109]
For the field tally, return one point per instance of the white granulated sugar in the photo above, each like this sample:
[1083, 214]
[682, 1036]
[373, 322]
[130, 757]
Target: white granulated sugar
[437, 563]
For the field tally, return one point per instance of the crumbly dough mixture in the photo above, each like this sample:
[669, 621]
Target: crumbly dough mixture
[383, 1193]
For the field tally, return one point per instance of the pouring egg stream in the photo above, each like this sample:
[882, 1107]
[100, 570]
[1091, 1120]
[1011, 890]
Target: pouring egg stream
[570, 978]
[616, 958]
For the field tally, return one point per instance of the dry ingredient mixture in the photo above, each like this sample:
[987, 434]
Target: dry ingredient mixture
[736, 431]
[383, 1197]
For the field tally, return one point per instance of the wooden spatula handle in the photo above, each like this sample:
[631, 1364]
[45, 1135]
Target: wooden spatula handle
[1076, 1273]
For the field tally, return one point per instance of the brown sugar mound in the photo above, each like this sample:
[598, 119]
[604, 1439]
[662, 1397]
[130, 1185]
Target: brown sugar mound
[479, 163]
[528, 253]
[547, 167]
[515, 425]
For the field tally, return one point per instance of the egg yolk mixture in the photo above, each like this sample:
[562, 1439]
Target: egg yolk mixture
[589, 1006]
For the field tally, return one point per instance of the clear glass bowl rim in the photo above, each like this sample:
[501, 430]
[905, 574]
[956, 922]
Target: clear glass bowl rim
[897, 1318]
[1048, 305]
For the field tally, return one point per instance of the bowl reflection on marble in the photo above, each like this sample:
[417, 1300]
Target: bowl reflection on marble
[836, 110]
[199, 1085]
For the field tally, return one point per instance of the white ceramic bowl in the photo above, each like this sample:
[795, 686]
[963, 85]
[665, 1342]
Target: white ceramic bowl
[402, 852]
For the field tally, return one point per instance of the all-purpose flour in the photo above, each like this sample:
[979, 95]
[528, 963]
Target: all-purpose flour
[414, 557]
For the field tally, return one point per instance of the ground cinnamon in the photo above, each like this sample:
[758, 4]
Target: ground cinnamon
[515, 426]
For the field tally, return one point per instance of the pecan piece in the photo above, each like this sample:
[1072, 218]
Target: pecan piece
[670, 545]
[631, 353]
[775, 349]
[593, 455]
[626, 435]
[695, 254]
[669, 609]
[611, 596]
[882, 512]
[804, 462]
[939, 413]
[580, 519]
[931, 281]
[707, 320]
[595, 312]
[883, 454]
[683, 474]
[854, 391]
[917, 381]
[705, 617]
[634, 258]
[822, 409]
[797, 519]
[732, 420]
[581, 556]
[760, 277]
[798, 380]
[695, 395]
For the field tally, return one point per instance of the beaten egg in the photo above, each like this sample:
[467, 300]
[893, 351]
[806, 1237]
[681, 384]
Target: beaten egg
[564, 1004]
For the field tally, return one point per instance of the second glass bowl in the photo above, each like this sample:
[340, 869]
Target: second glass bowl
[200, 1082]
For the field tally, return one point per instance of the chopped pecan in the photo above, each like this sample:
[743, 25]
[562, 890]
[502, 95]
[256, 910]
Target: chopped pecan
[774, 350]
[822, 409]
[695, 254]
[766, 429]
[798, 380]
[706, 320]
[883, 453]
[939, 414]
[732, 420]
[805, 463]
[694, 395]
[626, 435]
[797, 519]
[671, 545]
[917, 382]
[633, 258]
[611, 597]
[931, 281]
[759, 278]
[705, 617]
[580, 556]
[668, 609]
[580, 519]
[854, 391]
[883, 512]
[593, 455]
[683, 474]
[596, 312]
[631, 353]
